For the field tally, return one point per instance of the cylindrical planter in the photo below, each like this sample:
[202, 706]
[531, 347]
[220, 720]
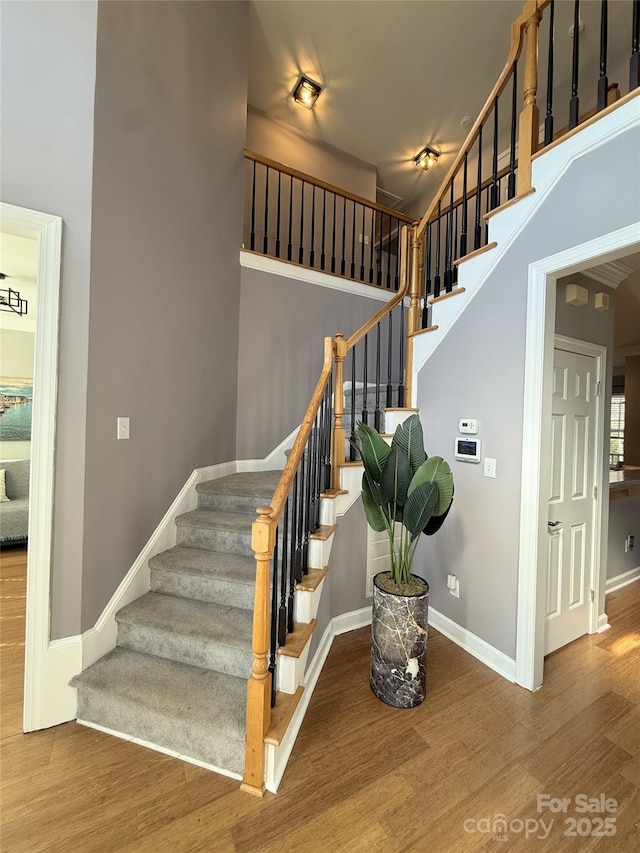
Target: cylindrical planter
[399, 647]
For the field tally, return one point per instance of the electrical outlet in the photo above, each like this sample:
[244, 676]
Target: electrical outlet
[453, 585]
[489, 467]
[628, 543]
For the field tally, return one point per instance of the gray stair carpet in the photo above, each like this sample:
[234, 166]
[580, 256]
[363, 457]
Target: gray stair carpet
[177, 677]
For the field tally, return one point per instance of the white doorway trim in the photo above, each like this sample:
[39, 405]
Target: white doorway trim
[48, 229]
[540, 333]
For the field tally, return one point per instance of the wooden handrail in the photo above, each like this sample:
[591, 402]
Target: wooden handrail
[323, 185]
[530, 9]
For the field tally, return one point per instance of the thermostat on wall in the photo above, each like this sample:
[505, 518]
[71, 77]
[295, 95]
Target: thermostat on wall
[467, 449]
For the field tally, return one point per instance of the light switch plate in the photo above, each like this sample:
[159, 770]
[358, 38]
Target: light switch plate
[123, 428]
[489, 467]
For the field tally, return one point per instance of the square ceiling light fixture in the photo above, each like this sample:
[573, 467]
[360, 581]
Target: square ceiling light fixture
[427, 158]
[306, 92]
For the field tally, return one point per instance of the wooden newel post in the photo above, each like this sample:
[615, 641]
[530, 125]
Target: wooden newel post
[338, 437]
[413, 320]
[259, 684]
[529, 125]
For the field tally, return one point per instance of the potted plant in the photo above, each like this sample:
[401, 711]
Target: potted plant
[404, 493]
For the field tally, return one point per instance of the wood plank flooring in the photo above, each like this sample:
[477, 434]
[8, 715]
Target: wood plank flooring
[362, 776]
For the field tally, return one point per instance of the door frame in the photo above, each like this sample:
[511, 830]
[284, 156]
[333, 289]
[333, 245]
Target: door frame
[48, 229]
[543, 275]
[601, 504]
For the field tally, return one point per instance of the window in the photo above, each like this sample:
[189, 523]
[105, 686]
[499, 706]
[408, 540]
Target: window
[616, 434]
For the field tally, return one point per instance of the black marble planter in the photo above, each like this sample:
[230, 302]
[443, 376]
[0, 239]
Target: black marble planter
[399, 647]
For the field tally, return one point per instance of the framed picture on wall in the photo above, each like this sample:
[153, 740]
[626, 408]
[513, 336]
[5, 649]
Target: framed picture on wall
[16, 407]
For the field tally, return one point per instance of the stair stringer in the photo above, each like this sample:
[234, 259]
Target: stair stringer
[506, 225]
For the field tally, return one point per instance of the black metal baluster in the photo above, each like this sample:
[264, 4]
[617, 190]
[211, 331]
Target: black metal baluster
[372, 241]
[365, 367]
[353, 243]
[389, 256]
[333, 237]
[284, 576]
[511, 180]
[389, 399]
[427, 277]
[603, 80]
[634, 63]
[362, 238]
[448, 280]
[548, 121]
[352, 434]
[312, 250]
[313, 473]
[292, 555]
[396, 280]
[301, 247]
[379, 252]
[289, 244]
[323, 256]
[343, 262]
[454, 244]
[494, 194]
[477, 235]
[326, 447]
[401, 360]
[252, 240]
[465, 205]
[574, 103]
[274, 622]
[265, 239]
[278, 216]
[436, 280]
[300, 523]
[376, 411]
[486, 221]
[304, 562]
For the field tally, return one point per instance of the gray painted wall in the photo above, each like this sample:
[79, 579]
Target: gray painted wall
[274, 388]
[624, 519]
[48, 63]
[165, 281]
[478, 371]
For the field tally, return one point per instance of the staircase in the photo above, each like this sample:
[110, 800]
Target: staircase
[177, 678]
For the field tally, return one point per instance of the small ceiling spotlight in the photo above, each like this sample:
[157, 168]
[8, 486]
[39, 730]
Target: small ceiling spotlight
[306, 92]
[426, 158]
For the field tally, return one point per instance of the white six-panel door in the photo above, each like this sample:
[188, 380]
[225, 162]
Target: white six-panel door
[571, 499]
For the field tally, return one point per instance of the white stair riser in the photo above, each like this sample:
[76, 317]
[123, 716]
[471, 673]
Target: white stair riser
[306, 607]
[394, 418]
[327, 511]
[319, 551]
[290, 671]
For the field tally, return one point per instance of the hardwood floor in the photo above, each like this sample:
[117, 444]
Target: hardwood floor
[362, 776]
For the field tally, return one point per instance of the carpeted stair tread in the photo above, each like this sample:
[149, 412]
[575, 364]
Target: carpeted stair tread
[238, 492]
[202, 715]
[215, 576]
[195, 632]
[215, 530]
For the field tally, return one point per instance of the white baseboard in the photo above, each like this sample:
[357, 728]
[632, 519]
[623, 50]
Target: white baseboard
[622, 580]
[479, 648]
[58, 702]
[162, 749]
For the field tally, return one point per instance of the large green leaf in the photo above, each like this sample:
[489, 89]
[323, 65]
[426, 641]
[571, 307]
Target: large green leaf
[372, 507]
[436, 521]
[437, 469]
[374, 450]
[419, 507]
[409, 440]
[396, 476]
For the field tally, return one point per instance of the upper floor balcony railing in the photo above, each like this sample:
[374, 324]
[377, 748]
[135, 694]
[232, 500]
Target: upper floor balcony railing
[294, 217]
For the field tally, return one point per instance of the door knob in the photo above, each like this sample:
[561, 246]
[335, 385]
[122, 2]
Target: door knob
[553, 523]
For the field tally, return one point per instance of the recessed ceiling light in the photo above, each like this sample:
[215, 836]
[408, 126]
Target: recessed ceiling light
[427, 158]
[306, 92]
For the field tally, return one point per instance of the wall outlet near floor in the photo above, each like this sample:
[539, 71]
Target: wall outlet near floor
[453, 585]
[628, 543]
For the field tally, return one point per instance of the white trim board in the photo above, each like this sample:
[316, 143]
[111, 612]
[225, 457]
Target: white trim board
[41, 708]
[261, 263]
[620, 581]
